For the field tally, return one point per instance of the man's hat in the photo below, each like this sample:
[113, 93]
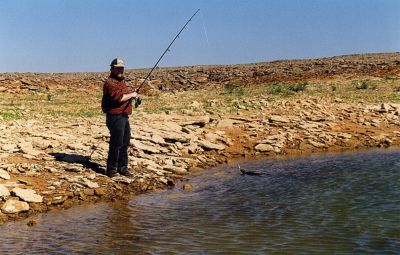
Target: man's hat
[117, 62]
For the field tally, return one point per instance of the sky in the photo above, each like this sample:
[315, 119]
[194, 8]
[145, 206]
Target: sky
[85, 35]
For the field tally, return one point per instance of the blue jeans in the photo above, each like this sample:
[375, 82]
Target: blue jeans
[120, 131]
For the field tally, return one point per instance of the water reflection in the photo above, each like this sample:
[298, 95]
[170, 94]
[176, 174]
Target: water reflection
[344, 203]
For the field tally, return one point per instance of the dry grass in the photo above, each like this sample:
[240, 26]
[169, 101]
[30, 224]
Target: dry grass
[232, 98]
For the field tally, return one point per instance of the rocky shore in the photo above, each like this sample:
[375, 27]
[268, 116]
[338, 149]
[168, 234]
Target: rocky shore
[50, 162]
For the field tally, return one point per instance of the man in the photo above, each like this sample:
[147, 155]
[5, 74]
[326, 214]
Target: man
[116, 103]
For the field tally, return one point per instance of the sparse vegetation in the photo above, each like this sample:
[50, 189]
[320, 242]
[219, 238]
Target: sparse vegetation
[366, 84]
[232, 97]
[232, 88]
[297, 87]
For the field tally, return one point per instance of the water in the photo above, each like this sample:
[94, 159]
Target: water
[330, 204]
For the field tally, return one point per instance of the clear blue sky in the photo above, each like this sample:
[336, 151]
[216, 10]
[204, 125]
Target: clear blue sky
[85, 35]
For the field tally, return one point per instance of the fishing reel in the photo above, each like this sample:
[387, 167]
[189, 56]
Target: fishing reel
[138, 102]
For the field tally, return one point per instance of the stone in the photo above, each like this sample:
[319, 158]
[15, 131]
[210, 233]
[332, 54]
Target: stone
[27, 148]
[144, 147]
[198, 121]
[187, 186]
[264, 147]
[58, 200]
[172, 126]
[317, 144]
[211, 137]
[4, 174]
[225, 124]
[195, 105]
[192, 148]
[73, 168]
[122, 179]
[10, 147]
[4, 193]
[277, 118]
[100, 191]
[210, 146]
[88, 192]
[14, 206]
[155, 138]
[175, 169]
[90, 184]
[28, 195]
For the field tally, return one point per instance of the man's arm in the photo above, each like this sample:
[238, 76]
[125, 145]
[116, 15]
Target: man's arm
[126, 97]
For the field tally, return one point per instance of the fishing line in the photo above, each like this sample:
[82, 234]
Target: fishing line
[206, 35]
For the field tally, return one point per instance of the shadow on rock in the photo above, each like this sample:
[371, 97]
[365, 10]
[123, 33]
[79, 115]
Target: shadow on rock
[79, 159]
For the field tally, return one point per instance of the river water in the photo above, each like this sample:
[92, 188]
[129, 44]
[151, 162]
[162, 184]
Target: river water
[346, 203]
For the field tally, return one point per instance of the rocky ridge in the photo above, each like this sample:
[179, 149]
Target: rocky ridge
[200, 77]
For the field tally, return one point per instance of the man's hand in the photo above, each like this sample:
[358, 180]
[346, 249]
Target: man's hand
[134, 95]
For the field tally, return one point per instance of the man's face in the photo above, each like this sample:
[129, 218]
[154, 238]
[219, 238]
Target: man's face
[118, 71]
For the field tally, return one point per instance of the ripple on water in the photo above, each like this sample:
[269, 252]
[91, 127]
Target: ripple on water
[345, 203]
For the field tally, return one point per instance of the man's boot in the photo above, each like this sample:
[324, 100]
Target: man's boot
[111, 172]
[124, 171]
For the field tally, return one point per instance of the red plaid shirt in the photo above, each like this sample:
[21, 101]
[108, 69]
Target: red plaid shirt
[113, 90]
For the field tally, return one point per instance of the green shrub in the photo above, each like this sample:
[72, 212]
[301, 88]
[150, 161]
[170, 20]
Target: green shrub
[298, 86]
[365, 84]
[231, 88]
[277, 89]
[10, 115]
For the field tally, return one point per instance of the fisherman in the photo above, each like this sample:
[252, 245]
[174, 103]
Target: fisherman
[116, 103]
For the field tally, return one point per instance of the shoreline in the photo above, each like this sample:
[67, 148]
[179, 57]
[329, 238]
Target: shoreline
[68, 179]
[196, 119]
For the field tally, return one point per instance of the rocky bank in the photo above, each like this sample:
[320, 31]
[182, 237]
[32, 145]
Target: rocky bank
[55, 163]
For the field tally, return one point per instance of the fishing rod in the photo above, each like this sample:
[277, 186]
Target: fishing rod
[138, 101]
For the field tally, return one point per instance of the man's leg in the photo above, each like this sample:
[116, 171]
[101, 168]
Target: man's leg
[123, 153]
[116, 126]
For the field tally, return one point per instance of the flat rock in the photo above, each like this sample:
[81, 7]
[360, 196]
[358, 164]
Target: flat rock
[4, 193]
[144, 147]
[175, 169]
[318, 144]
[14, 206]
[10, 147]
[225, 124]
[27, 195]
[277, 118]
[27, 148]
[4, 174]
[210, 146]
[198, 121]
[122, 179]
[264, 147]
[155, 138]
[90, 184]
